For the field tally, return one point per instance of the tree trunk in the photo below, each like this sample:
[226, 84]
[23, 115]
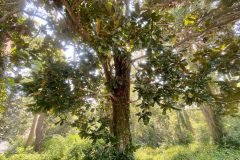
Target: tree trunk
[178, 128]
[32, 131]
[7, 109]
[39, 133]
[187, 121]
[214, 124]
[120, 102]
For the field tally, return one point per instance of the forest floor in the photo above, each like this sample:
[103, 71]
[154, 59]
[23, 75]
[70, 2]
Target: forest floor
[195, 151]
[73, 147]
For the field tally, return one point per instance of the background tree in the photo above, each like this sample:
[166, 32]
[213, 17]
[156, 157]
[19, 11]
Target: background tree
[32, 130]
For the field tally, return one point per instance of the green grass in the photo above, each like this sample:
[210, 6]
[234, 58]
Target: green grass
[72, 148]
[190, 152]
[56, 148]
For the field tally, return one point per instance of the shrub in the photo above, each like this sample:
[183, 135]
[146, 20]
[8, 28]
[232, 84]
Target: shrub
[192, 151]
[69, 148]
[55, 148]
[186, 137]
[232, 137]
[25, 156]
[2, 157]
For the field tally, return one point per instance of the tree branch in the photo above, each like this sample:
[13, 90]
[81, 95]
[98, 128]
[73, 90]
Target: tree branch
[164, 4]
[232, 18]
[9, 14]
[17, 2]
[233, 101]
[96, 93]
[138, 58]
[218, 22]
[77, 23]
[31, 14]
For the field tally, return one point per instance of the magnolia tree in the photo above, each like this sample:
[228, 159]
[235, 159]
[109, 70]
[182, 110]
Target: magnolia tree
[176, 48]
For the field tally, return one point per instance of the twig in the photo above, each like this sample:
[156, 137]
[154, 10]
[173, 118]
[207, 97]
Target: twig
[35, 15]
[96, 93]
[136, 59]
[134, 101]
[39, 31]
[11, 3]
[9, 14]
[233, 101]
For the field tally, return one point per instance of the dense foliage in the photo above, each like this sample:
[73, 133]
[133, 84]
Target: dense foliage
[154, 73]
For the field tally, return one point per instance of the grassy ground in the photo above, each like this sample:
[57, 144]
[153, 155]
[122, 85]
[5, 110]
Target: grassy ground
[190, 152]
[72, 148]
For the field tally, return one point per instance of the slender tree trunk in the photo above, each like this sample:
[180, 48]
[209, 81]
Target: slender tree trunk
[8, 108]
[178, 128]
[214, 124]
[120, 102]
[4, 49]
[187, 121]
[39, 133]
[32, 131]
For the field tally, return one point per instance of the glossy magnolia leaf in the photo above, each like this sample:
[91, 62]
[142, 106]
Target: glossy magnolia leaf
[190, 19]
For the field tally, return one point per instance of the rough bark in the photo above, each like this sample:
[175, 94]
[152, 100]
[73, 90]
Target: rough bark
[120, 102]
[32, 131]
[39, 133]
[214, 123]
